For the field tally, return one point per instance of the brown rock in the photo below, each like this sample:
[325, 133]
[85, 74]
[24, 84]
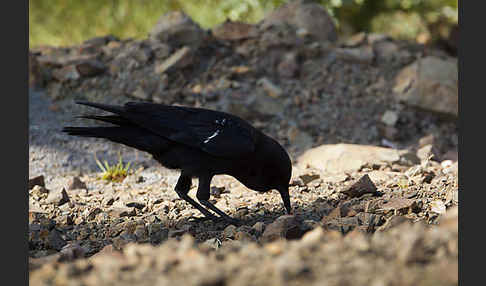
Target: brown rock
[360, 55]
[90, 68]
[386, 50]
[307, 178]
[429, 83]
[121, 211]
[259, 227]
[428, 151]
[36, 181]
[363, 186]
[307, 15]
[76, 183]
[177, 29]
[71, 251]
[285, 226]
[58, 198]
[397, 204]
[340, 158]
[181, 58]
[231, 31]
[451, 155]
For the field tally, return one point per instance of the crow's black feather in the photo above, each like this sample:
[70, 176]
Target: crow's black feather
[200, 142]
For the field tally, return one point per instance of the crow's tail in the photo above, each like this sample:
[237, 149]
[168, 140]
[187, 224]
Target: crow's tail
[128, 135]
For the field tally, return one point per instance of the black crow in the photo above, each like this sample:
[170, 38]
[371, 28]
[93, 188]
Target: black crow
[201, 143]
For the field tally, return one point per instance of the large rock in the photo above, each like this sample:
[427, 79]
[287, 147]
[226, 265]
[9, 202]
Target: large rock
[429, 83]
[177, 29]
[309, 17]
[338, 158]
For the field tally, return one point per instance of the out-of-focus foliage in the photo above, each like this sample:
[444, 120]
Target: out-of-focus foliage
[67, 22]
[407, 19]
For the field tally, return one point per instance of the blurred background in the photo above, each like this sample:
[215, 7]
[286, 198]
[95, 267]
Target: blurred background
[70, 22]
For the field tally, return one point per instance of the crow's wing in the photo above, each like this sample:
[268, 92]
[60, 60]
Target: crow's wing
[217, 133]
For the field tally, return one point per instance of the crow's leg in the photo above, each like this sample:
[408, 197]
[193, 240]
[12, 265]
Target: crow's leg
[182, 188]
[203, 197]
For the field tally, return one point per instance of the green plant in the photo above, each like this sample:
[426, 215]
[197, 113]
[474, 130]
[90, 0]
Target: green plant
[113, 173]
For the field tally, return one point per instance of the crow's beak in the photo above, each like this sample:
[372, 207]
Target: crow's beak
[284, 193]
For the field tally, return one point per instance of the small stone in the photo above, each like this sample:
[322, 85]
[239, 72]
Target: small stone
[157, 233]
[231, 31]
[363, 186]
[259, 227]
[71, 251]
[39, 190]
[243, 236]
[229, 232]
[122, 211]
[141, 233]
[137, 205]
[93, 213]
[288, 66]
[176, 59]
[451, 169]
[58, 198]
[90, 68]
[55, 240]
[389, 118]
[216, 192]
[426, 152]
[397, 204]
[161, 50]
[313, 236]
[386, 50]
[213, 243]
[76, 183]
[285, 226]
[270, 88]
[334, 214]
[108, 201]
[451, 155]
[176, 232]
[438, 207]
[140, 93]
[110, 48]
[36, 181]
[307, 178]
[361, 55]
[240, 69]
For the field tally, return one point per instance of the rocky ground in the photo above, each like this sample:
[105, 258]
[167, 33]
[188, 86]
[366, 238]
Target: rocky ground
[370, 124]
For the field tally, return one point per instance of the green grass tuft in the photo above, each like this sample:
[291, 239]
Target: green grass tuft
[114, 173]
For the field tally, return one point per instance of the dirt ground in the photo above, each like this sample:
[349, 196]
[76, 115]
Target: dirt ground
[357, 220]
